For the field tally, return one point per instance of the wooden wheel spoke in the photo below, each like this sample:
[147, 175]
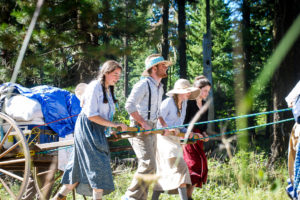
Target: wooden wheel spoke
[11, 174]
[12, 167]
[10, 162]
[6, 136]
[47, 187]
[46, 172]
[10, 149]
[7, 189]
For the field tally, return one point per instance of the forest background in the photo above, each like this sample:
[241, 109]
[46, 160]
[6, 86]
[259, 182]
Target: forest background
[231, 42]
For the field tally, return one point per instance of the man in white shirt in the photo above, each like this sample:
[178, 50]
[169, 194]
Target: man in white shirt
[143, 106]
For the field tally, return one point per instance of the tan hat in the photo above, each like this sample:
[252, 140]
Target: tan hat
[153, 60]
[183, 86]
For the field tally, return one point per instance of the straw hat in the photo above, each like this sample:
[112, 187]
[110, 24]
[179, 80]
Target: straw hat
[183, 86]
[153, 60]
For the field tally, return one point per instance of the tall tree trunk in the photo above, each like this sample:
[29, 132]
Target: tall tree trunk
[246, 58]
[105, 23]
[182, 39]
[125, 44]
[87, 65]
[286, 76]
[165, 33]
[268, 133]
[126, 72]
[207, 67]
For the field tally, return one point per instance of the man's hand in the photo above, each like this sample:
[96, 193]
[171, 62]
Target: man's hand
[146, 126]
[172, 131]
[168, 132]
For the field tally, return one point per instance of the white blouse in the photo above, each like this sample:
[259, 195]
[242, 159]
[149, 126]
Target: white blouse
[168, 111]
[169, 146]
[293, 95]
[93, 102]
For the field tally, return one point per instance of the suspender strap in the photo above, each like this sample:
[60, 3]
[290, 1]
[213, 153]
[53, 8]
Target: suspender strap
[149, 101]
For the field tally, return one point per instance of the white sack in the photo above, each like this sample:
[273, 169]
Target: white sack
[21, 108]
[64, 154]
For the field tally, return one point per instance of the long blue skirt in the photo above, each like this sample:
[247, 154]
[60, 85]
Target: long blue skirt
[90, 162]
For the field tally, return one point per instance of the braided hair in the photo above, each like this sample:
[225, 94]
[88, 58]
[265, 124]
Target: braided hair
[176, 100]
[108, 67]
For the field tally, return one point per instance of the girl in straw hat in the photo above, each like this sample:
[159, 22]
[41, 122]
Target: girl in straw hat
[171, 168]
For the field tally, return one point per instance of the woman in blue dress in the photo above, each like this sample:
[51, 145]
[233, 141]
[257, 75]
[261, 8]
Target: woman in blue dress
[89, 167]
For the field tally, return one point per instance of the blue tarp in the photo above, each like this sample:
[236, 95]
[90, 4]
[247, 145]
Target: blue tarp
[56, 104]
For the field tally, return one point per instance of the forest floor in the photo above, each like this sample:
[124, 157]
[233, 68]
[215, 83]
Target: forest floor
[244, 177]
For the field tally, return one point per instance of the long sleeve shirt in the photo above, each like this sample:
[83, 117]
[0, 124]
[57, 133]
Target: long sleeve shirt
[293, 95]
[138, 99]
[169, 146]
[168, 111]
[93, 102]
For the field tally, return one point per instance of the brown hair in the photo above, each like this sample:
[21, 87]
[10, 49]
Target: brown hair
[108, 67]
[201, 81]
[175, 97]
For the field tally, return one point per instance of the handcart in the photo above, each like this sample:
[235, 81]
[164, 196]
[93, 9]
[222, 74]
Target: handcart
[29, 158]
[25, 160]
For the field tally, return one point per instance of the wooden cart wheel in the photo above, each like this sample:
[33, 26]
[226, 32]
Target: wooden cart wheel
[14, 158]
[47, 179]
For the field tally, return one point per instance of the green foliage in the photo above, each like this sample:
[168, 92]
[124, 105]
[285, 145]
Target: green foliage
[71, 39]
[121, 115]
[222, 66]
[14, 187]
[224, 180]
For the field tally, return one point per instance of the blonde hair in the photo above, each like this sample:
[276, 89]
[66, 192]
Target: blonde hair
[108, 67]
[175, 97]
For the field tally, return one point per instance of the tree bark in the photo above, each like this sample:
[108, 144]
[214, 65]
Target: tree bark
[125, 57]
[165, 33]
[246, 59]
[126, 71]
[87, 65]
[182, 39]
[286, 76]
[207, 67]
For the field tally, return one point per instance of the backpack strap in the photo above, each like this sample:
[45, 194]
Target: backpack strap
[149, 101]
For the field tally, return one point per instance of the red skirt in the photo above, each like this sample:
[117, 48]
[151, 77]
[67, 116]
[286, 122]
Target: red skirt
[195, 158]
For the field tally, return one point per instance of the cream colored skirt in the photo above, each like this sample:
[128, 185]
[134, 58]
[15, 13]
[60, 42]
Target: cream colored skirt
[172, 171]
